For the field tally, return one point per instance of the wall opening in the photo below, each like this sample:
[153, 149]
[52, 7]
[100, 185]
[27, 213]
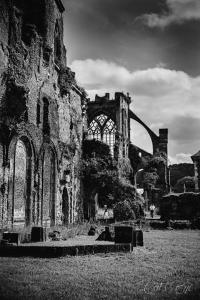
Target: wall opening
[65, 206]
[38, 114]
[48, 188]
[103, 128]
[20, 183]
[46, 127]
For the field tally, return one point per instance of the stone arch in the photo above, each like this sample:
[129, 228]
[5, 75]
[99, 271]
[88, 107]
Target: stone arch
[153, 136]
[25, 204]
[47, 177]
[100, 111]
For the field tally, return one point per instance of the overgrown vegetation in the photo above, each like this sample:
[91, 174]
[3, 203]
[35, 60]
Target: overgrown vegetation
[184, 206]
[108, 178]
[178, 171]
[185, 184]
[154, 171]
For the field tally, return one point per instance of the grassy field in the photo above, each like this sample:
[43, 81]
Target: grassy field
[167, 267]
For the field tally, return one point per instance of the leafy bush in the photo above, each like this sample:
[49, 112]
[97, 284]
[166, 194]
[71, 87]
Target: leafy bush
[124, 191]
[157, 224]
[180, 224]
[123, 211]
[185, 206]
[94, 148]
[175, 224]
[195, 223]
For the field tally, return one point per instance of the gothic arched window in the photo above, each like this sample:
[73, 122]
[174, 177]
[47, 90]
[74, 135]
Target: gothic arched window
[102, 128]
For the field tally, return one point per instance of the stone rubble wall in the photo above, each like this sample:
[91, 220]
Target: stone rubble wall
[28, 74]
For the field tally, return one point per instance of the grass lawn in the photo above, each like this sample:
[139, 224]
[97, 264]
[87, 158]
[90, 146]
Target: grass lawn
[167, 267]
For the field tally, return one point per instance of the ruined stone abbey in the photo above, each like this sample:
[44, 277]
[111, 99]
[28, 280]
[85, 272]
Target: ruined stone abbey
[44, 117]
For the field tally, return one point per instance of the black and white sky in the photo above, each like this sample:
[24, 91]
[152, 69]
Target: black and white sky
[149, 48]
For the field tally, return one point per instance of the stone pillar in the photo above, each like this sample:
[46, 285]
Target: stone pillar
[196, 160]
[163, 140]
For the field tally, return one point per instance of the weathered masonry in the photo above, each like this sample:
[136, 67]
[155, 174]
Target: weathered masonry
[41, 118]
[109, 121]
[196, 160]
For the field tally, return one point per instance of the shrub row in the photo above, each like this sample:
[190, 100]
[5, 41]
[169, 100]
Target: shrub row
[175, 224]
[184, 206]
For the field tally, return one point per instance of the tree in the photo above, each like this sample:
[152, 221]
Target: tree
[100, 174]
[154, 170]
[178, 171]
[185, 184]
[98, 171]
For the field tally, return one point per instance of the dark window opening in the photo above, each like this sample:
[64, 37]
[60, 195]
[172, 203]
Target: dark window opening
[71, 126]
[38, 114]
[28, 32]
[47, 55]
[46, 127]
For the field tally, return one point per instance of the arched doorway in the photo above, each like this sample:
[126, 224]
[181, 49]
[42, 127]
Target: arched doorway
[48, 196]
[20, 181]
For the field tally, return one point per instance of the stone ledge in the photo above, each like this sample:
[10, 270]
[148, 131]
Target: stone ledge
[56, 251]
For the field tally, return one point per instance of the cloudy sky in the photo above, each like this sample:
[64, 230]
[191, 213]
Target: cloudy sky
[149, 48]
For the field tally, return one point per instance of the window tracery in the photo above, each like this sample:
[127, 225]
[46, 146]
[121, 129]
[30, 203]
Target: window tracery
[102, 128]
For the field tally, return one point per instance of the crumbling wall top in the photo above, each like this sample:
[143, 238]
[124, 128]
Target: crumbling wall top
[60, 5]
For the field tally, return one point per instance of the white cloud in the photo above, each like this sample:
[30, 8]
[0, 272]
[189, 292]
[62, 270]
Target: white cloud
[160, 96]
[180, 158]
[179, 12]
[98, 74]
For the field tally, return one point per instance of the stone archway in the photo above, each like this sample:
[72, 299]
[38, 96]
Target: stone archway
[20, 181]
[152, 135]
[47, 179]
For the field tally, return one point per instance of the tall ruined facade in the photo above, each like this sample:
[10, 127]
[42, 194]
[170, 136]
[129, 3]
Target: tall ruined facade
[41, 118]
[108, 122]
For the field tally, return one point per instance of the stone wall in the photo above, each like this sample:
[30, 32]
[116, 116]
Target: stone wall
[40, 105]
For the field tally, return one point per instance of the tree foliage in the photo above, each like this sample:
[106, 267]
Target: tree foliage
[123, 211]
[186, 183]
[184, 206]
[178, 171]
[100, 172]
[154, 170]
[94, 148]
